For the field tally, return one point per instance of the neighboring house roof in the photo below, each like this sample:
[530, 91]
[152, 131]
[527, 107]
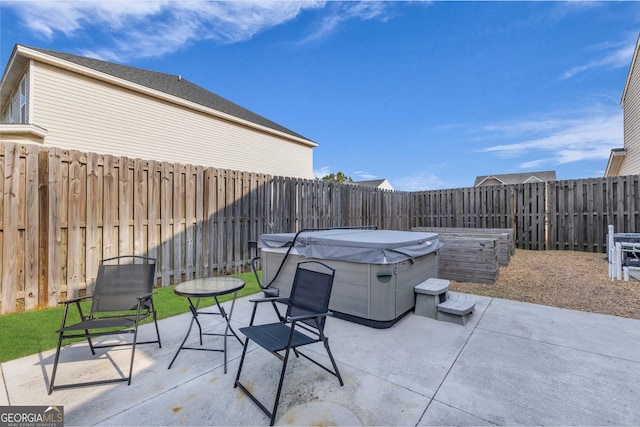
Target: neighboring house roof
[375, 183]
[515, 178]
[173, 85]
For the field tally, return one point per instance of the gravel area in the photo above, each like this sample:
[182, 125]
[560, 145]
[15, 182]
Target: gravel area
[567, 279]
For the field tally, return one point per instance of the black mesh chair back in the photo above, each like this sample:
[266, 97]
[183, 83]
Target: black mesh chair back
[310, 294]
[120, 285]
[307, 310]
[122, 298]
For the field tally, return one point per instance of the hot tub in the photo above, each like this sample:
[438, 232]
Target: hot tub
[376, 270]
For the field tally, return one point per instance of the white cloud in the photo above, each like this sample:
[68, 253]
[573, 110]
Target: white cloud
[612, 56]
[534, 164]
[154, 28]
[421, 182]
[558, 140]
[323, 171]
[363, 176]
[50, 17]
[340, 12]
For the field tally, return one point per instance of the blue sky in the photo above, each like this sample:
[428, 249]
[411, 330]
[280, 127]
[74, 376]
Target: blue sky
[428, 95]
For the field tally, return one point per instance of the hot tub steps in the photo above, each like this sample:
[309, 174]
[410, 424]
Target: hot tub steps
[433, 299]
[457, 308]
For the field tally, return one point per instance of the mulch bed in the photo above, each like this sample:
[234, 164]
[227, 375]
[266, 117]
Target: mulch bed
[566, 279]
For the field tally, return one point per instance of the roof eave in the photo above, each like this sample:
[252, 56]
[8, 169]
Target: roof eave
[8, 130]
[11, 74]
[486, 178]
[631, 67]
[615, 160]
[531, 179]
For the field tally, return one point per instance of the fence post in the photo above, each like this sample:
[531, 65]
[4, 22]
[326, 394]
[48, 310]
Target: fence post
[547, 215]
[512, 202]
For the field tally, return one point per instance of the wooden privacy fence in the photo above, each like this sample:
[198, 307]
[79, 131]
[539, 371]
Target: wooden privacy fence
[63, 211]
[580, 211]
[560, 215]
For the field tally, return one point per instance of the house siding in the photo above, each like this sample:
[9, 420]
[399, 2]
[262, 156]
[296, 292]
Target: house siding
[490, 181]
[631, 116]
[85, 114]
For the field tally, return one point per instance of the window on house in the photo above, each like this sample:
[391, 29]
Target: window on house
[8, 116]
[23, 101]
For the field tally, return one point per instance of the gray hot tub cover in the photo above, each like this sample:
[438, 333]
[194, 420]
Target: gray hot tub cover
[364, 246]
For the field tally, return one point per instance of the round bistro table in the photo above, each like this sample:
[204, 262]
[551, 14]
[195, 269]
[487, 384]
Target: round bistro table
[209, 287]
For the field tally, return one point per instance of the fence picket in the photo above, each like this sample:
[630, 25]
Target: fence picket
[76, 199]
[166, 231]
[110, 209]
[53, 284]
[222, 183]
[189, 220]
[10, 270]
[125, 206]
[153, 204]
[94, 201]
[140, 219]
[32, 229]
[178, 229]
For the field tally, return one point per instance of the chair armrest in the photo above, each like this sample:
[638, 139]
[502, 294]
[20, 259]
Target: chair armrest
[145, 296]
[275, 299]
[272, 300]
[72, 300]
[308, 316]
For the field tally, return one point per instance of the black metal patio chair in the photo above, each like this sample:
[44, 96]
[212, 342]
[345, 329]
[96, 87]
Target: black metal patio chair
[303, 324]
[122, 298]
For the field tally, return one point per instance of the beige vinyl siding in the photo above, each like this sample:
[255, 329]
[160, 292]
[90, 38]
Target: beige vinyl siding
[631, 113]
[490, 181]
[85, 114]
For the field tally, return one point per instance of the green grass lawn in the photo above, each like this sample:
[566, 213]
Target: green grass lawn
[34, 331]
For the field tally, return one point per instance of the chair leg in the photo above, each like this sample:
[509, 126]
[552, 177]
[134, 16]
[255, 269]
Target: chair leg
[284, 368]
[244, 352]
[155, 321]
[333, 362]
[243, 388]
[157, 330]
[83, 317]
[55, 363]
[272, 414]
[93, 349]
[133, 353]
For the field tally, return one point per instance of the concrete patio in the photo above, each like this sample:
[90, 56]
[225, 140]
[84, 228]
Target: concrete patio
[513, 364]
